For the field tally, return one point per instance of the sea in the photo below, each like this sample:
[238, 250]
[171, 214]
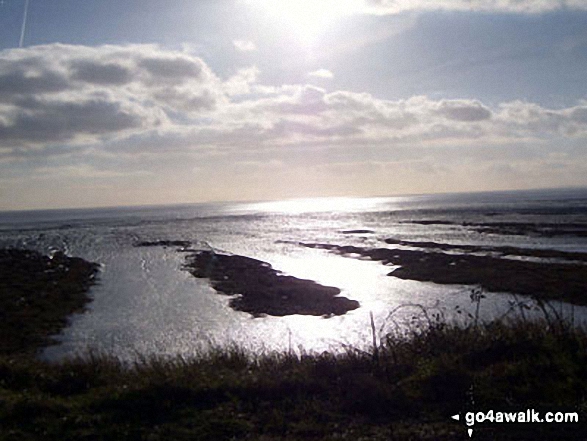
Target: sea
[146, 304]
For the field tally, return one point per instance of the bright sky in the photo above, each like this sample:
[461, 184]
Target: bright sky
[114, 102]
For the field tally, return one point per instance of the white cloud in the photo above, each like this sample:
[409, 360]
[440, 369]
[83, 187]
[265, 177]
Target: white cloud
[383, 7]
[144, 99]
[244, 45]
[321, 73]
[240, 83]
[387, 7]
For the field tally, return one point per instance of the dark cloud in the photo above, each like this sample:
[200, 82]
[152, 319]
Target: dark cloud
[186, 100]
[79, 94]
[100, 73]
[173, 67]
[466, 112]
[61, 121]
[18, 80]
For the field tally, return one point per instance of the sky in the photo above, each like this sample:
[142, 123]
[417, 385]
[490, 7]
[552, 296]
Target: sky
[106, 103]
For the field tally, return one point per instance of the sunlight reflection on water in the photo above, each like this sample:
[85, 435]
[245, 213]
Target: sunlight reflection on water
[311, 205]
[146, 304]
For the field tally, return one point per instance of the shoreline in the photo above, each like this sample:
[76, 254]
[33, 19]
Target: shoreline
[39, 293]
[540, 280]
[261, 290]
[256, 287]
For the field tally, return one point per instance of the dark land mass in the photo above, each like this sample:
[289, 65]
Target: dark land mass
[430, 222]
[503, 250]
[165, 243]
[257, 287]
[522, 229]
[546, 281]
[357, 232]
[264, 291]
[517, 228]
[37, 293]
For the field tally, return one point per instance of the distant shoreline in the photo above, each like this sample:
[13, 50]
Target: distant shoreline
[147, 205]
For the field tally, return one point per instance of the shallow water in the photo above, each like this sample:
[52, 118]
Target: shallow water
[145, 303]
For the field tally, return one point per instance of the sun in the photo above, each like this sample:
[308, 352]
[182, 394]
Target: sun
[308, 19]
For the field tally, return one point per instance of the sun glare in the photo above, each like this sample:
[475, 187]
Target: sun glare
[317, 205]
[308, 18]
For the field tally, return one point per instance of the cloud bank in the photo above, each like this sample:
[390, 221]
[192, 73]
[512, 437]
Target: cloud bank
[137, 111]
[59, 95]
[390, 7]
[383, 7]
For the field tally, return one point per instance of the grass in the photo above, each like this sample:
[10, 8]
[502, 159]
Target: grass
[407, 392]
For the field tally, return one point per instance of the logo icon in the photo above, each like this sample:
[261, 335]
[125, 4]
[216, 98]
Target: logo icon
[457, 417]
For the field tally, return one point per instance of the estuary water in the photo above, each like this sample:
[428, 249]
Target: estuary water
[145, 303]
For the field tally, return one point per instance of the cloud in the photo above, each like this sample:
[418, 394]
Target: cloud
[390, 7]
[82, 171]
[240, 83]
[321, 73]
[383, 7]
[244, 45]
[78, 94]
[533, 120]
[462, 110]
[253, 166]
[20, 78]
[100, 73]
[47, 121]
[173, 66]
[145, 99]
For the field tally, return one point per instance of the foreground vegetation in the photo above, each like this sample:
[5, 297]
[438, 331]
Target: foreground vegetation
[405, 387]
[37, 294]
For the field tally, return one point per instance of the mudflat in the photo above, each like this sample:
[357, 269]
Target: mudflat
[540, 279]
[261, 290]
